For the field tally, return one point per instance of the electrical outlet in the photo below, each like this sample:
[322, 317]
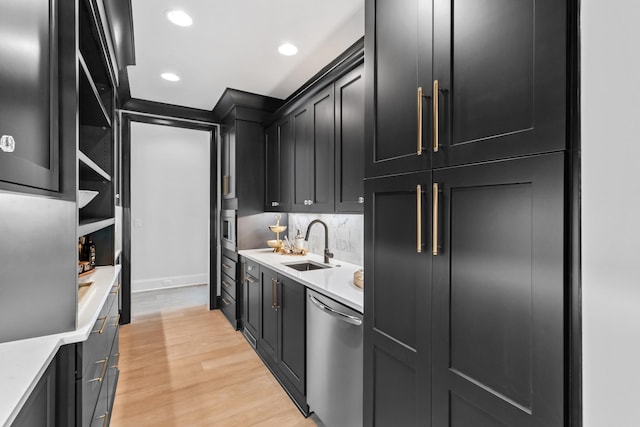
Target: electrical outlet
[166, 283]
[137, 222]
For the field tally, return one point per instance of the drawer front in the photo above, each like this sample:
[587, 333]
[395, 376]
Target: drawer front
[101, 414]
[228, 307]
[113, 371]
[113, 323]
[228, 285]
[251, 269]
[228, 267]
[91, 386]
[98, 344]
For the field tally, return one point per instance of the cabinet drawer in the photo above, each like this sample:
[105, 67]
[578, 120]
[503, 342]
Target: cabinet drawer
[101, 414]
[228, 267]
[98, 344]
[90, 386]
[251, 269]
[228, 285]
[113, 371]
[228, 307]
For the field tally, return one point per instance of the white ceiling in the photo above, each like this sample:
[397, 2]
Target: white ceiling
[234, 43]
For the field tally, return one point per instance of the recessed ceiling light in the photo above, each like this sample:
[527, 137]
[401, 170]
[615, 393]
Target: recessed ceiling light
[179, 17]
[170, 77]
[287, 49]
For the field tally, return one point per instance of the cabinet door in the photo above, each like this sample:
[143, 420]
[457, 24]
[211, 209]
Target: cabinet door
[252, 305]
[399, 44]
[498, 296]
[40, 408]
[349, 158]
[501, 68]
[272, 170]
[292, 327]
[228, 161]
[28, 94]
[322, 171]
[268, 342]
[398, 291]
[303, 157]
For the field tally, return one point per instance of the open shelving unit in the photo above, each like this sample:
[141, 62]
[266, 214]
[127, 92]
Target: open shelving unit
[96, 137]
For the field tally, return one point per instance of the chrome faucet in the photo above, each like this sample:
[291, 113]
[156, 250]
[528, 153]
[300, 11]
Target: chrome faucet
[327, 254]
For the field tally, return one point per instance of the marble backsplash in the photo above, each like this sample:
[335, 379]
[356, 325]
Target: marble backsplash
[346, 235]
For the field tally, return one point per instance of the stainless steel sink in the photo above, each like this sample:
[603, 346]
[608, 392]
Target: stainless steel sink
[306, 265]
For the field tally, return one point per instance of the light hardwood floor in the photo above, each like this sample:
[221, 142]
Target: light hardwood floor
[188, 367]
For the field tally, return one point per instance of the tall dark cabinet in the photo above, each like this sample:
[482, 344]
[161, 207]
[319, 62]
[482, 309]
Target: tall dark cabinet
[243, 221]
[465, 220]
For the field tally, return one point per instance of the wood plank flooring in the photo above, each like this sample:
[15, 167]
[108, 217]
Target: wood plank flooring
[188, 367]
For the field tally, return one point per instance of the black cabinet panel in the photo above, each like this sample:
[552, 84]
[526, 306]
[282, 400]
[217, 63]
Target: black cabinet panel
[279, 166]
[269, 316]
[397, 299]
[303, 157]
[272, 169]
[292, 358]
[501, 68]
[349, 156]
[252, 302]
[28, 94]
[498, 319]
[40, 408]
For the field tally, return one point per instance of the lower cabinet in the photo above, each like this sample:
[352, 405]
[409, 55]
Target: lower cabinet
[40, 408]
[275, 323]
[229, 289]
[97, 368]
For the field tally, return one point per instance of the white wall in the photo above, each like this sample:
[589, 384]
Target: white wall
[610, 68]
[169, 206]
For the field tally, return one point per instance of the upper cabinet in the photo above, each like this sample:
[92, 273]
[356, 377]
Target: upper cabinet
[463, 82]
[29, 144]
[349, 150]
[315, 143]
[313, 136]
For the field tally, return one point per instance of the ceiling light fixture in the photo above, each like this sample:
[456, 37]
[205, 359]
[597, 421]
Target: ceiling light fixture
[287, 49]
[170, 77]
[179, 18]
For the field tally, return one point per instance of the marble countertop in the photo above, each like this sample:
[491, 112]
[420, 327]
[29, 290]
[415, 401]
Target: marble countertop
[335, 282]
[23, 362]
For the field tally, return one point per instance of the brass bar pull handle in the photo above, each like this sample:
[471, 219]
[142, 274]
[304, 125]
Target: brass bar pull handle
[226, 303]
[273, 293]
[117, 322]
[276, 293]
[250, 279]
[104, 322]
[115, 365]
[434, 233]
[116, 290]
[225, 284]
[436, 145]
[420, 121]
[102, 372]
[226, 266]
[104, 417]
[419, 218]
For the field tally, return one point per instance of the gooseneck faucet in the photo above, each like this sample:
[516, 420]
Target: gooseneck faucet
[327, 254]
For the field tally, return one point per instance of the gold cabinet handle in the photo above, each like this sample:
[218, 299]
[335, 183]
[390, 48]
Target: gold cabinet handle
[419, 218]
[273, 293]
[117, 322]
[226, 266]
[276, 295]
[104, 323]
[420, 121]
[104, 417]
[226, 303]
[250, 279]
[434, 233]
[102, 372]
[115, 365]
[116, 290]
[436, 92]
[225, 284]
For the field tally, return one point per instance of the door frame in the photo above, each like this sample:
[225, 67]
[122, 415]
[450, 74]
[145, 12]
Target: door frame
[124, 180]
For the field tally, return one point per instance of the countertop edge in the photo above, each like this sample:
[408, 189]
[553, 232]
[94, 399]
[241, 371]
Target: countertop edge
[16, 385]
[253, 255]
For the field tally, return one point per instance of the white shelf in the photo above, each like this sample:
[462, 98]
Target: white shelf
[91, 226]
[86, 161]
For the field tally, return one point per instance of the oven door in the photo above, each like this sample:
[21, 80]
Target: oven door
[228, 229]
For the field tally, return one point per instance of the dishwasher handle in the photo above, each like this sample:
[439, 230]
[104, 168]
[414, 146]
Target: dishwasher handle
[338, 315]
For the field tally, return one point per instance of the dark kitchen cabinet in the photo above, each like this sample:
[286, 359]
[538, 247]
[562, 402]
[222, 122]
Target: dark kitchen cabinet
[228, 161]
[313, 136]
[279, 166]
[497, 72]
[251, 301]
[283, 332]
[230, 292]
[498, 294]
[397, 333]
[29, 102]
[349, 149]
[40, 408]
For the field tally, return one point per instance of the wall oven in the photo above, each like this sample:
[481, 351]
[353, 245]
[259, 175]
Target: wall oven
[228, 229]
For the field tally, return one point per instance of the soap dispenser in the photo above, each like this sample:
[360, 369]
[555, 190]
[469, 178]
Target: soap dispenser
[299, 240]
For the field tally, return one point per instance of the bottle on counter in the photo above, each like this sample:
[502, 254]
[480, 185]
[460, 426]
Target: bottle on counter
[299, 240]
[91, 252]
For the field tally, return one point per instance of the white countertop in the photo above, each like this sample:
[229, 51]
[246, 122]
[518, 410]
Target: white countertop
[335, 282]
[23, 362]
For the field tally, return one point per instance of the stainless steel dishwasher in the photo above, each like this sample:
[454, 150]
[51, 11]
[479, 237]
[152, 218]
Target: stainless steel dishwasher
[334, 361]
